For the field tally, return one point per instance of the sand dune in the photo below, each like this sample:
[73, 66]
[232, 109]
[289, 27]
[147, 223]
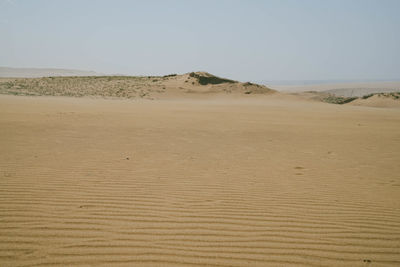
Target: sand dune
[359, 92]
[383, 100]
[379, 100]
[344, 89]
[227, 182]
[149, 87]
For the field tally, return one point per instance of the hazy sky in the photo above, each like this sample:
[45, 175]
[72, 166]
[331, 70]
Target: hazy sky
[244, 40]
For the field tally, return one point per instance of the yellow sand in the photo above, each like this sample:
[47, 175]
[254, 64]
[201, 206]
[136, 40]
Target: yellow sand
[251, 181]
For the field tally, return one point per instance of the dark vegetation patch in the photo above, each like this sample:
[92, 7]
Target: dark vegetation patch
[209, 79]
[367, 96]
[170, 75]
[248, 84]
[338, 99]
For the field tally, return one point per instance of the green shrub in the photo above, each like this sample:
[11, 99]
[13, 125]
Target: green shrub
[170, 75]
[338, 99]
[367, 96]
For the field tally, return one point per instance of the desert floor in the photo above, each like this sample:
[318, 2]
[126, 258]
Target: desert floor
[248, 181]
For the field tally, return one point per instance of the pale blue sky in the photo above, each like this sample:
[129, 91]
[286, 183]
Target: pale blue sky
[244, 40]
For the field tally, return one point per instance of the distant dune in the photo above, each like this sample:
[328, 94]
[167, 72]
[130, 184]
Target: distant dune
[39, 72]
[380, 100]
[359, 92]
[197, 85]
[372, 94]
[354, 89]
[150, 87]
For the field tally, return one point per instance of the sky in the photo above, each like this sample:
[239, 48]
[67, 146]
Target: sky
[243, 40]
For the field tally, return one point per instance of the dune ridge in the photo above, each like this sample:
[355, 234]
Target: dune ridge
[148, 87]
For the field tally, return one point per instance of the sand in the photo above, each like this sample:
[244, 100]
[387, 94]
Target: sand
[255, 181]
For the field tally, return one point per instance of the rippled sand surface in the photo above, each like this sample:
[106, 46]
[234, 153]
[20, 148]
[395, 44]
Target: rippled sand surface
[258, 182]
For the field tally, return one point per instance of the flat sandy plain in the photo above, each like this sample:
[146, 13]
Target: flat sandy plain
[247, 181]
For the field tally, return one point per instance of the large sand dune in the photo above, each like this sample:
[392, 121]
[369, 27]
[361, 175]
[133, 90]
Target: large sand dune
[149, 87]
[255, 181]
[344, 89]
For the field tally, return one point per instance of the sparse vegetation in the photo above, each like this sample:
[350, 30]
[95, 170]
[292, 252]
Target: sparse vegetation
[394, 95]
[104, 86]
[343, 100]
[122, 86]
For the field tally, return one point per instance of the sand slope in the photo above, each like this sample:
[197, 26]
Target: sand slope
[225, 182]
[391, 100]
